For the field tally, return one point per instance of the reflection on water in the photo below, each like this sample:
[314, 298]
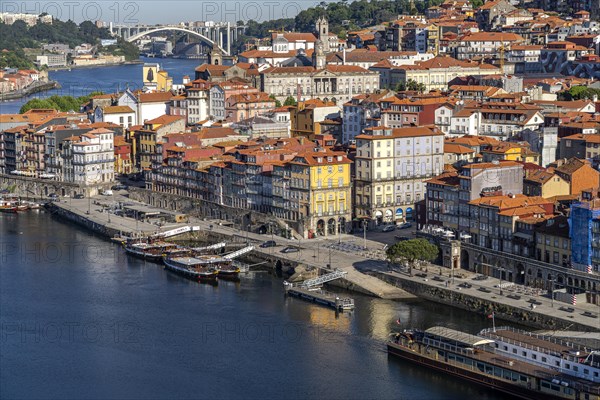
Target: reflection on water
[159, 335]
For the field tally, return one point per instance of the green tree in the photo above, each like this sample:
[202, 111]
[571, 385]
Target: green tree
[476, 3]
[400, 86]
[277, 102]
[59, 103]
[411, 251]
[290, 101]
[14, 59]
[34, 104]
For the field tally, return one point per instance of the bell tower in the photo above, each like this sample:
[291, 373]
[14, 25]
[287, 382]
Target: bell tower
[322, 26]
[215, 56]
[319, 58]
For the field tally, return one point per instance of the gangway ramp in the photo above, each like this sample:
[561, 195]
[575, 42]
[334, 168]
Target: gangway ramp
[238, 253]
[323, 279]
[215, 246]
[176, 231]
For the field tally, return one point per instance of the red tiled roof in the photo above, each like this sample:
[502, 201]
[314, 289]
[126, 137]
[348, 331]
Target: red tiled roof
[117, 109]
[165, 119]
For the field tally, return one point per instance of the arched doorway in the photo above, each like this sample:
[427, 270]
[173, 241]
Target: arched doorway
[464, 259]
[331, 226]
[409, 214]
[321, 227]
[378, 217]
[389, 215]
[520, 278]
[342, 225]
[399, 213]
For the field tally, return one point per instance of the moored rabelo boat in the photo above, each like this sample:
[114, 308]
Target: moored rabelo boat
[201, 268]
[152, 251]
[226, 270]
[8, 209]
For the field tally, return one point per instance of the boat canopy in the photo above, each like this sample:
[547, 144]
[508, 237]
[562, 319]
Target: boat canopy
[457, 336]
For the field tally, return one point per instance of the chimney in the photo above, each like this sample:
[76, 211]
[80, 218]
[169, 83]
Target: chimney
[343, 56]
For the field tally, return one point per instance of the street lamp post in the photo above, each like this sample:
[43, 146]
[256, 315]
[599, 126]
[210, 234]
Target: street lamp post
[272, 241]
[365, 234]
[552, 293]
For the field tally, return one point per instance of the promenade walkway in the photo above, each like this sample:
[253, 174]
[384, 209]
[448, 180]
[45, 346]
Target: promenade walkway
[346, 252]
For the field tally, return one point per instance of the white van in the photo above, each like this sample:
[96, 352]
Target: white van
[107, 192]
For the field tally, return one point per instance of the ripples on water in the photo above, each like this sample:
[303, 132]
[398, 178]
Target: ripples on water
[82, 320]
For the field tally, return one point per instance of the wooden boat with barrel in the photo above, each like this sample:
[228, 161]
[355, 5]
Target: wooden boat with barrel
[201, 268]
[152, 251]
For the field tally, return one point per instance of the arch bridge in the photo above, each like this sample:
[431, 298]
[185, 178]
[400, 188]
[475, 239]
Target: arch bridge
[221, 34]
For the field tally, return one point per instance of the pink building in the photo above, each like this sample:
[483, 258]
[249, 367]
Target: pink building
[247, 105]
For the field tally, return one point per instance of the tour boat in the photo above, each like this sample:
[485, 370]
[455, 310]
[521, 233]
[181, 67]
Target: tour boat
[34, 206]
[6, 208]
[518, 363]
[227, 270]
[200, 268]
[22, 207]
[153, 251]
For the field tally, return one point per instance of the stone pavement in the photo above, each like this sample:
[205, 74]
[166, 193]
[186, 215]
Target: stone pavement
[128, 226]
[488, 289]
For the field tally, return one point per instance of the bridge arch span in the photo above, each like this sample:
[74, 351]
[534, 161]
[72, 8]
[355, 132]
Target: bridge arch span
[204, 39]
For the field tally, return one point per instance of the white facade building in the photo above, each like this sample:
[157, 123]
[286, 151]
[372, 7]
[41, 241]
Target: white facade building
[89, 158]
[146, 106]
[123, 116]
[391, 167]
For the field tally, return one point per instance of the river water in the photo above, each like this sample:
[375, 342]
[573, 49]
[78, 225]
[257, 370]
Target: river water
[82, 81]
[80, 319]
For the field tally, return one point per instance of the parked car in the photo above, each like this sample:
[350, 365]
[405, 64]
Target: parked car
[79, 196]
[53, 196]
[119, 187]
[290, 249]
[405, 225]
[268, 243]
[389, 228]
[107, 192]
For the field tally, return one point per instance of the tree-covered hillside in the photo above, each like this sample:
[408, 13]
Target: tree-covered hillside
[343, 16]
[18, 36]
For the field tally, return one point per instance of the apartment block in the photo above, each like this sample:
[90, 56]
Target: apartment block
[391, 168]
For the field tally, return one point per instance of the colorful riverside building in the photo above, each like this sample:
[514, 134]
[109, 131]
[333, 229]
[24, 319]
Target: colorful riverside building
[320, 181]
[581, 220]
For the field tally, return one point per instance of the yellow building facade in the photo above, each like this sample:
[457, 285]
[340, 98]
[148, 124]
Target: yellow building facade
[321, 180]
[156, 79]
